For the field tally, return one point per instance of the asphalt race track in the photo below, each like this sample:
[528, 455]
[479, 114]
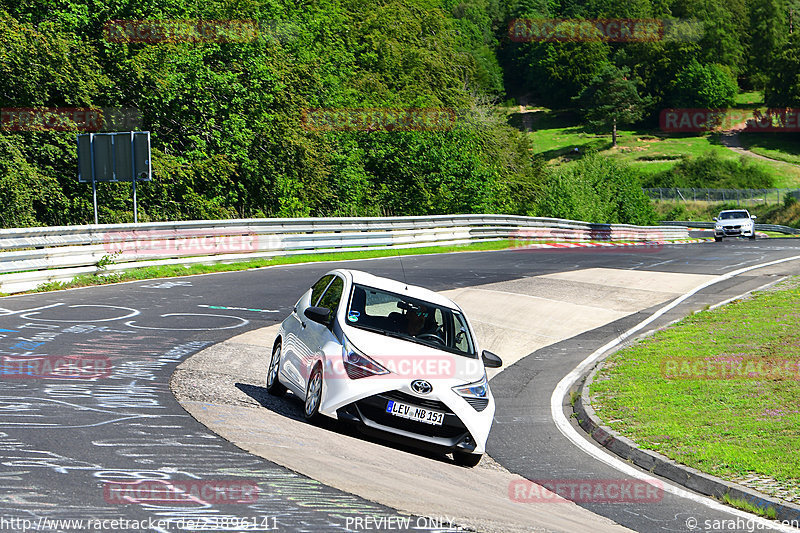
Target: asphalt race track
[68, 443]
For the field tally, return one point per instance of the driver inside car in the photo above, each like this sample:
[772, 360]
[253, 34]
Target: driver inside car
[419, 321]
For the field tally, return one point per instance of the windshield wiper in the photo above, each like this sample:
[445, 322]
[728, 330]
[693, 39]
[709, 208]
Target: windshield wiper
[387, 332]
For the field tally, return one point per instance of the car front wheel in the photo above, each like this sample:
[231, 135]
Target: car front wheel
[313, 394]
[274, 385]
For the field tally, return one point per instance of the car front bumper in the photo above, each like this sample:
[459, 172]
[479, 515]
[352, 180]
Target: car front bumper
[734, 231]
[364, 401]
[371, 415]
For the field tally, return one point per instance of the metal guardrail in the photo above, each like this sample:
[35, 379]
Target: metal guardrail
[710, 225]
[30, 257]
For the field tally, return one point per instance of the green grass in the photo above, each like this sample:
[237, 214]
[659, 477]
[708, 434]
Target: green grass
[170, 271]
[744, 505]
[783, 214]
[727, 427]
[556, 134]
[752, 98]
[780, 146]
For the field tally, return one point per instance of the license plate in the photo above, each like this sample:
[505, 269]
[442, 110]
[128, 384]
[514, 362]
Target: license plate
[412, 412]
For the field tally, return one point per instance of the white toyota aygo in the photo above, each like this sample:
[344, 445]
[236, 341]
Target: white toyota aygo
[399, 361]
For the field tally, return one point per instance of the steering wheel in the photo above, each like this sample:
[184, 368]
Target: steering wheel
[432, 336]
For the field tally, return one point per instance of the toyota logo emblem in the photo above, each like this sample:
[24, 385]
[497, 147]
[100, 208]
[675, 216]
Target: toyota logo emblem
[420, 386]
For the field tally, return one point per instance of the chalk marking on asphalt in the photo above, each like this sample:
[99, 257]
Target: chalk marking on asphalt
[133, 312]
[225, 308]
[566, 429]
[242, 322]
[9, 312]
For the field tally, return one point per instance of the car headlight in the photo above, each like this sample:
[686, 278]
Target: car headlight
[476, 394]
[357, 365]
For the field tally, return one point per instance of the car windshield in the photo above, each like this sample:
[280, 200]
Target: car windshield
[729, 215]
[414, 320]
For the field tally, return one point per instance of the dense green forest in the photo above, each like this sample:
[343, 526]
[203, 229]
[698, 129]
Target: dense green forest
[226, 118]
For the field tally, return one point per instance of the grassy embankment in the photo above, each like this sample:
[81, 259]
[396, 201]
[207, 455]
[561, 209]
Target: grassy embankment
[556, 134]
[741, 424]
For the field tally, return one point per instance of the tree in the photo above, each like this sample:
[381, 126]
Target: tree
[706, 86]
[611, 98]
[783, 85]
[768, 33]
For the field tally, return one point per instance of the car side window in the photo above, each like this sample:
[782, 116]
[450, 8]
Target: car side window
[332, 296]
[462, 339]
[319, 286]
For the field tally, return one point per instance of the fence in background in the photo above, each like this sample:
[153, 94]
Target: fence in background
[32, 256]
[742, 197]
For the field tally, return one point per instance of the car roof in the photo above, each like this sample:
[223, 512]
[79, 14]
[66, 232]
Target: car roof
[365, 278]
[734, 210]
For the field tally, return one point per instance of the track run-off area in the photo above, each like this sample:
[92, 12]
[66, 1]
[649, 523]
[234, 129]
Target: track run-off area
[175, 398]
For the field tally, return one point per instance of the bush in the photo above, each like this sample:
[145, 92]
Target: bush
[711, 171]
[596, 189]
[706, 86]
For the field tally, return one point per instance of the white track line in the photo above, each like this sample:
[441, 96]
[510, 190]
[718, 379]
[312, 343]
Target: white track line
[566, 429]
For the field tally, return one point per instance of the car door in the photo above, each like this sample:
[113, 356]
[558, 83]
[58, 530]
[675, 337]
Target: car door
[317, 335]
[296, 349]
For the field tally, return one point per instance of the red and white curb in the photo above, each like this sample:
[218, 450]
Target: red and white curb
[706, 230]
[602, 244]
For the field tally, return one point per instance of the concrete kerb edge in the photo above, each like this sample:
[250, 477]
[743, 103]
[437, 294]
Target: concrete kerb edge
[464, 527]
[662, 466]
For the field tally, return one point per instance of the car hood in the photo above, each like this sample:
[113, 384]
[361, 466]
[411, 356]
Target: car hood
[734, 221]
[414, 361]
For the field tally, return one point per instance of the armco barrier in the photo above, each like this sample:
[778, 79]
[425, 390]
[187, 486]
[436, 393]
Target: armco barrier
[710, 225]
[32, 256]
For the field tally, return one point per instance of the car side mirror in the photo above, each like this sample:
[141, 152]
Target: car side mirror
[318, 314]
[491, 360]
[753, 217]
[714, 219]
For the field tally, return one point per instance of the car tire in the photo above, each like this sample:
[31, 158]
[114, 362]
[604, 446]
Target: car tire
[753, 236]
[313, 395]
[274, 385]
[467, 459]
[717, 239]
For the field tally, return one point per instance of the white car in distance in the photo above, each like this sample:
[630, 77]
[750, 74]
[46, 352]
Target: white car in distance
[734, 223]
[399, 361]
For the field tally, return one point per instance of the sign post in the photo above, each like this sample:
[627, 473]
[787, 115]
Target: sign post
[114, 157]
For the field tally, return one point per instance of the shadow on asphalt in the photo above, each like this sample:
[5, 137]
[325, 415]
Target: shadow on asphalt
[291, 407]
